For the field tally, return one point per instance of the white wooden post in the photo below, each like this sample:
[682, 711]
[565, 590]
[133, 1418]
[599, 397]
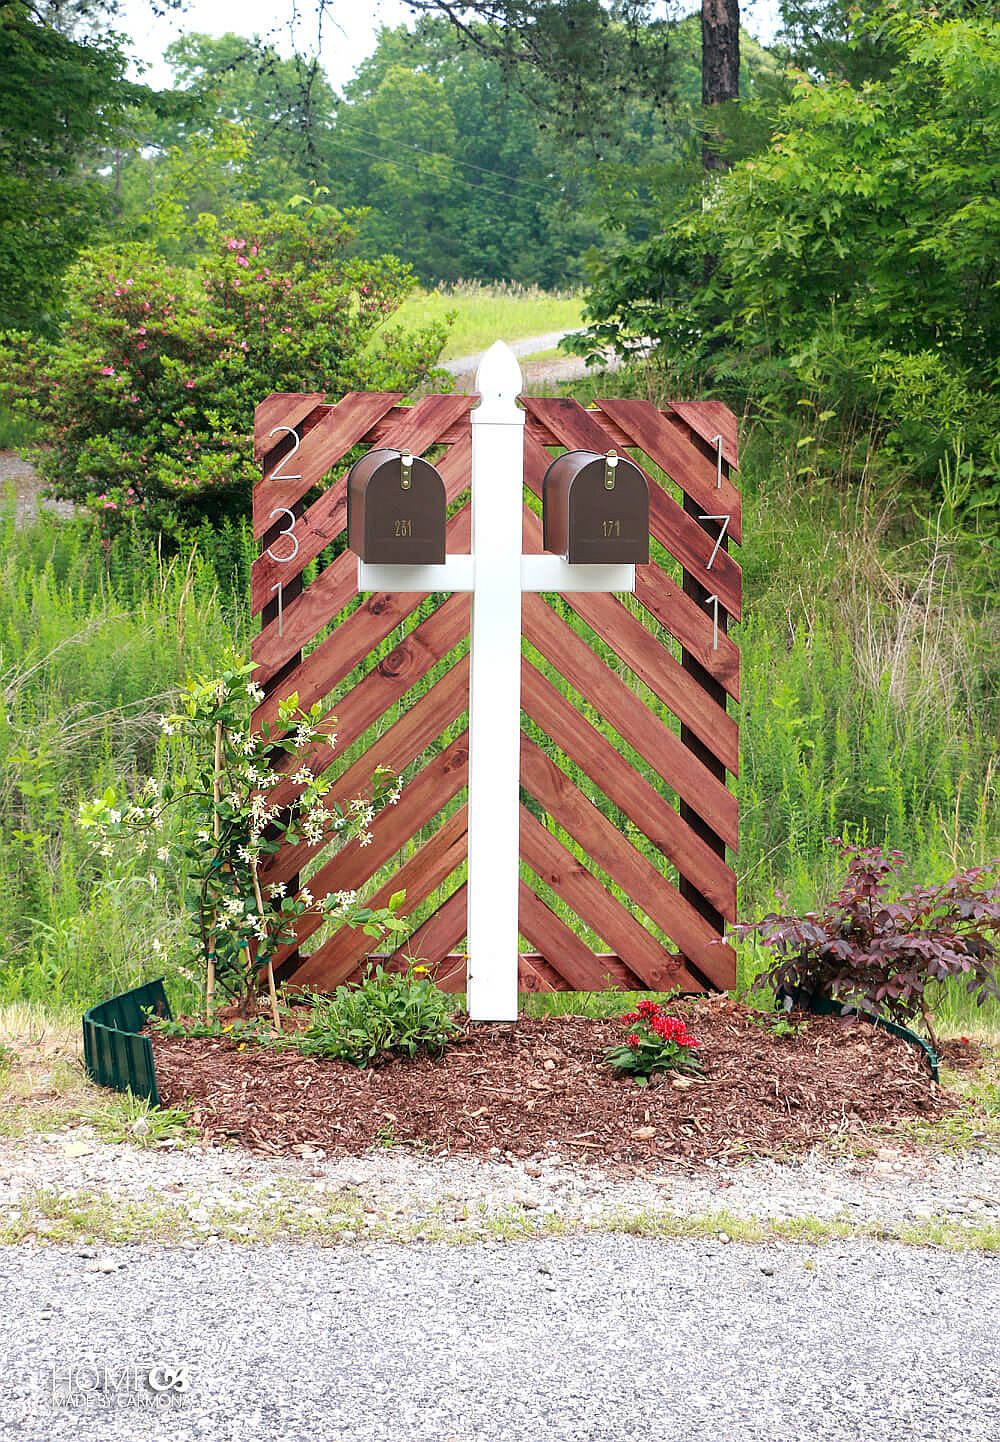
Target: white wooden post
[495, 687]
[496, 574]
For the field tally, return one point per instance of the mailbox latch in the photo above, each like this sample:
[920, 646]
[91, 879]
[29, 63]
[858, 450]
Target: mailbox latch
[610, 466]
[405, 471]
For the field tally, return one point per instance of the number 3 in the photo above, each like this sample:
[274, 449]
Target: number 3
[288, 531]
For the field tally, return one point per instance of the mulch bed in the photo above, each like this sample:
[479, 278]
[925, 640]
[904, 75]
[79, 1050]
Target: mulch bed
[541, 1086]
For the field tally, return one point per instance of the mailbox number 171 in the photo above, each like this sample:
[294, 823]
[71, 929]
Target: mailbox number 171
[612, 528]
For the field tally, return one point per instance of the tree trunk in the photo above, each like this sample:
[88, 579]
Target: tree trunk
[720, 67]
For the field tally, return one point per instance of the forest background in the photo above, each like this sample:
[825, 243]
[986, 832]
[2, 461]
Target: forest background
[806, 230]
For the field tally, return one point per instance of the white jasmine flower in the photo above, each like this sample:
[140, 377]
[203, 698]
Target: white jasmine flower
[305, 896]
[303, 776]
[277, 888]
[345, 898]
[366, 839]
[166, 726]
[204, 835]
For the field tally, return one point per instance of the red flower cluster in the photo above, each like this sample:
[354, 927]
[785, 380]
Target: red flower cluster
[670, 1028]
[667, 1028]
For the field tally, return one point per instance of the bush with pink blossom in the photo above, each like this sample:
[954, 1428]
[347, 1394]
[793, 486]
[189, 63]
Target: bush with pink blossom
[145, 400]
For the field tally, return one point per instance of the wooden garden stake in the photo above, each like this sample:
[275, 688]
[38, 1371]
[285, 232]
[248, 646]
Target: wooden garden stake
[216, 833]
[271, 991]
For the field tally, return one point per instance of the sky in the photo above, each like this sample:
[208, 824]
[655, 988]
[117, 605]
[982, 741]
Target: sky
[350, 29]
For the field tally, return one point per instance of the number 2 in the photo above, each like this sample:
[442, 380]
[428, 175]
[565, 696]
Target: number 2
[276, 474]
[289, 532]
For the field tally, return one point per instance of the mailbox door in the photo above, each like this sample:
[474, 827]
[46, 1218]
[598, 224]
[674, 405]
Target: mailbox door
[396, 514]
[608, 523]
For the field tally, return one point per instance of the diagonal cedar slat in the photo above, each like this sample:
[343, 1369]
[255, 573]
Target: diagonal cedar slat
[686, 621]
[326, 518]
[708, 419]
[282, 408]
[606, 846]
[580, 968]
[634, 722]
[689, 468]
[423, 873]
[586, 896]
[337, 429]
[349, 869]
[623, 785]
[397, 747]
[384, 684]
[681, 534]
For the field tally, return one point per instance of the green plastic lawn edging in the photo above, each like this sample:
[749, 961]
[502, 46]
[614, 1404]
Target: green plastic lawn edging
[115, 1054]
[825, 1006]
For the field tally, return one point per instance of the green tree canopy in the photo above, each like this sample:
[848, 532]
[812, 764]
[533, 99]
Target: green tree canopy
[855, 255]
[61, 101]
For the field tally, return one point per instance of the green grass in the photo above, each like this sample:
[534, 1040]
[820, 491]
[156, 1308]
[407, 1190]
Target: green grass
[286, 1215]
[485, 313]
[14, 430]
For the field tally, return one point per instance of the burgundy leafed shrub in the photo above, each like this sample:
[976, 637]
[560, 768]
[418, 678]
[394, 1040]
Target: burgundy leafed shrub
[876, 955]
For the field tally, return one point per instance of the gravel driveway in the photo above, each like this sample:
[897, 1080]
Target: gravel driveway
[552, 1341]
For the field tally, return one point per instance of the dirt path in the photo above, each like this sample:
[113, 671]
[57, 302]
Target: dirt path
[536, 374]
[27, 486]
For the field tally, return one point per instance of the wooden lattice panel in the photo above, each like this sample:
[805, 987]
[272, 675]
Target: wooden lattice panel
[663, 794]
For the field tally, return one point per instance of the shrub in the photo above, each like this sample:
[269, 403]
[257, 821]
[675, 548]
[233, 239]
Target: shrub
[879, 956]
[387, 1014]
[146, 400]
[655, 1042]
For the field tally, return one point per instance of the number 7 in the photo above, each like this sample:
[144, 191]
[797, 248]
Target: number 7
[722, 536]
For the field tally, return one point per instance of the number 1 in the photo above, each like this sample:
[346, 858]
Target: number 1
[281, 618]
[709, 600]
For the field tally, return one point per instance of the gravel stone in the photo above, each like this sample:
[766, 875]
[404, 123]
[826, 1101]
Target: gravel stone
[639, 1338]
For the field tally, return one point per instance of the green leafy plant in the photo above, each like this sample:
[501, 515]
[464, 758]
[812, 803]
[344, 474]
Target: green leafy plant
[655, 1042]
[886, 957]
[244, 792]
[387, 1014]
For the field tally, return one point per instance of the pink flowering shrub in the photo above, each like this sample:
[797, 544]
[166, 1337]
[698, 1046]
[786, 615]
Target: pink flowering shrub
[146, 399]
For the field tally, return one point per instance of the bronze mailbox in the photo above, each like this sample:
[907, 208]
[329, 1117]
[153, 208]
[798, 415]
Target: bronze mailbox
[396, 509]
[595, 508]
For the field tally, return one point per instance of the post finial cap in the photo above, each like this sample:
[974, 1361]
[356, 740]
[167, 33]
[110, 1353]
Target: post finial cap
[499, 382]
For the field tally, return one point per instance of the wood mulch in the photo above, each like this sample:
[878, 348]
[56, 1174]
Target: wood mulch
[540, 1086]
